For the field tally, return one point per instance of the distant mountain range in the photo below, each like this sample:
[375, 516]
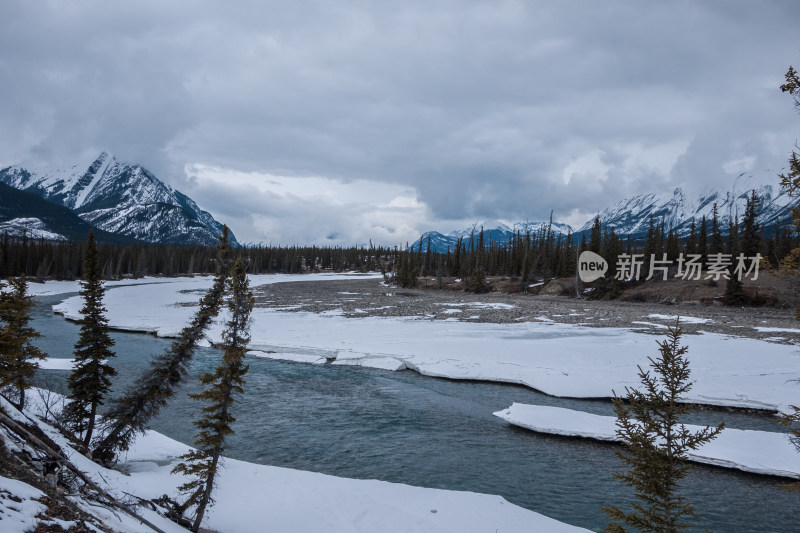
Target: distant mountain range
[122, 200]
[632, 215]
[126, 203]
[493, 232]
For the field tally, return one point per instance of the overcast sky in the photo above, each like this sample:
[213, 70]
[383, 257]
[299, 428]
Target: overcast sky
[338, 122]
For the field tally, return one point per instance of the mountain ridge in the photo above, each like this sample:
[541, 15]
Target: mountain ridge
[121, 198]
[26, 213]
[631, 216]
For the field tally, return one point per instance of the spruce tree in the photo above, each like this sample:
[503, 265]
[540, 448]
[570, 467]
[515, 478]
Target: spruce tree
[750, 241]
[201, 465]
[673, 247]
[702, 240]
[650, 244]
[734, 288]
[476, 282]
[596, 237]
[129, 414]
[715, 246]
[90, 379]
[691, 241]
[19, 359]
[655, 443]
[790, 182]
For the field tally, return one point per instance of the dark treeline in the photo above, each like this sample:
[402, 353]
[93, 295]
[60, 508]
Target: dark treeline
[43, 259]
[526, 256]
[545, 254]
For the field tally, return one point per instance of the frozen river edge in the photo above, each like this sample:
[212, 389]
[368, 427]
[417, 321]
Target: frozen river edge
[251, 497]
[563, 360]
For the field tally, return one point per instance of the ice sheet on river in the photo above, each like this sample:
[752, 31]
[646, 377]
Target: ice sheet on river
[559, 359]
[760, 452]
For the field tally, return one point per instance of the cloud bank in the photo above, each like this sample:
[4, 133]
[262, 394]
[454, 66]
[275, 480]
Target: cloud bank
[336, 123]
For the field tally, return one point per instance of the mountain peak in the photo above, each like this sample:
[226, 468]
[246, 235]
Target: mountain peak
[121, 198]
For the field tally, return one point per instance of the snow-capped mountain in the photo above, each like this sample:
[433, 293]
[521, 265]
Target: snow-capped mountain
[632, 215]
[494, 231]
[25, 213]
[120, 198]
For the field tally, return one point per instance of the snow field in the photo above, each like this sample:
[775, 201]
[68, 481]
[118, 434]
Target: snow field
[559, 359]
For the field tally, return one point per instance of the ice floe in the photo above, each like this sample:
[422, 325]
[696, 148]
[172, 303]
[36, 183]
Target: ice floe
[760, 452]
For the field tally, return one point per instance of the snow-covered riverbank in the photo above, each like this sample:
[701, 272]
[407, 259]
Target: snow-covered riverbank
[559, 359]
[255, 498]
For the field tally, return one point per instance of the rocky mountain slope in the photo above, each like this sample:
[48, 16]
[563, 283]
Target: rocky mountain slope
[25, 213]
[632, 215]
[120, 198]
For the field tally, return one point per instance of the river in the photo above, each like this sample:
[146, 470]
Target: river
[408, 428]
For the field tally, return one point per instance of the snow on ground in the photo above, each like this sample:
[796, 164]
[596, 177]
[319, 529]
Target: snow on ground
[684, 319]
[346, 357]
[255, 498]
[57, 363]
[289, 356]
[50, 288]
[776, 330]
[18, 505]
[252, 497]
[760, 452]
[651, 324]
[479, 305]
[559, 359]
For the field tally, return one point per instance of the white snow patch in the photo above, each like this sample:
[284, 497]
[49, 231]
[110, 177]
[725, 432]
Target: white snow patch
[683, 319]
[55, 363]
[652, 324]
[776, 330]
[31, 227]
[84, 193]
[19, 515]
[289, 356]
[380, 363]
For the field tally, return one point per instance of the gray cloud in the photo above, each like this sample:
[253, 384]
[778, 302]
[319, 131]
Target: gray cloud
[485, 108]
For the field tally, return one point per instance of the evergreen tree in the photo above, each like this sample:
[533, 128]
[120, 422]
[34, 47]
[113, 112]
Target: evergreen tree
[18, 357]
[655, 442]
[201, 465]
[732, 246]
[751, 231]
[90, 379]
[476, 282]
[130, 414]
[734, 288]
[673, 248]
[716, 244]
[650, 243]
[691, 241]
[596, 237]
[702, 240]
[790, 182]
